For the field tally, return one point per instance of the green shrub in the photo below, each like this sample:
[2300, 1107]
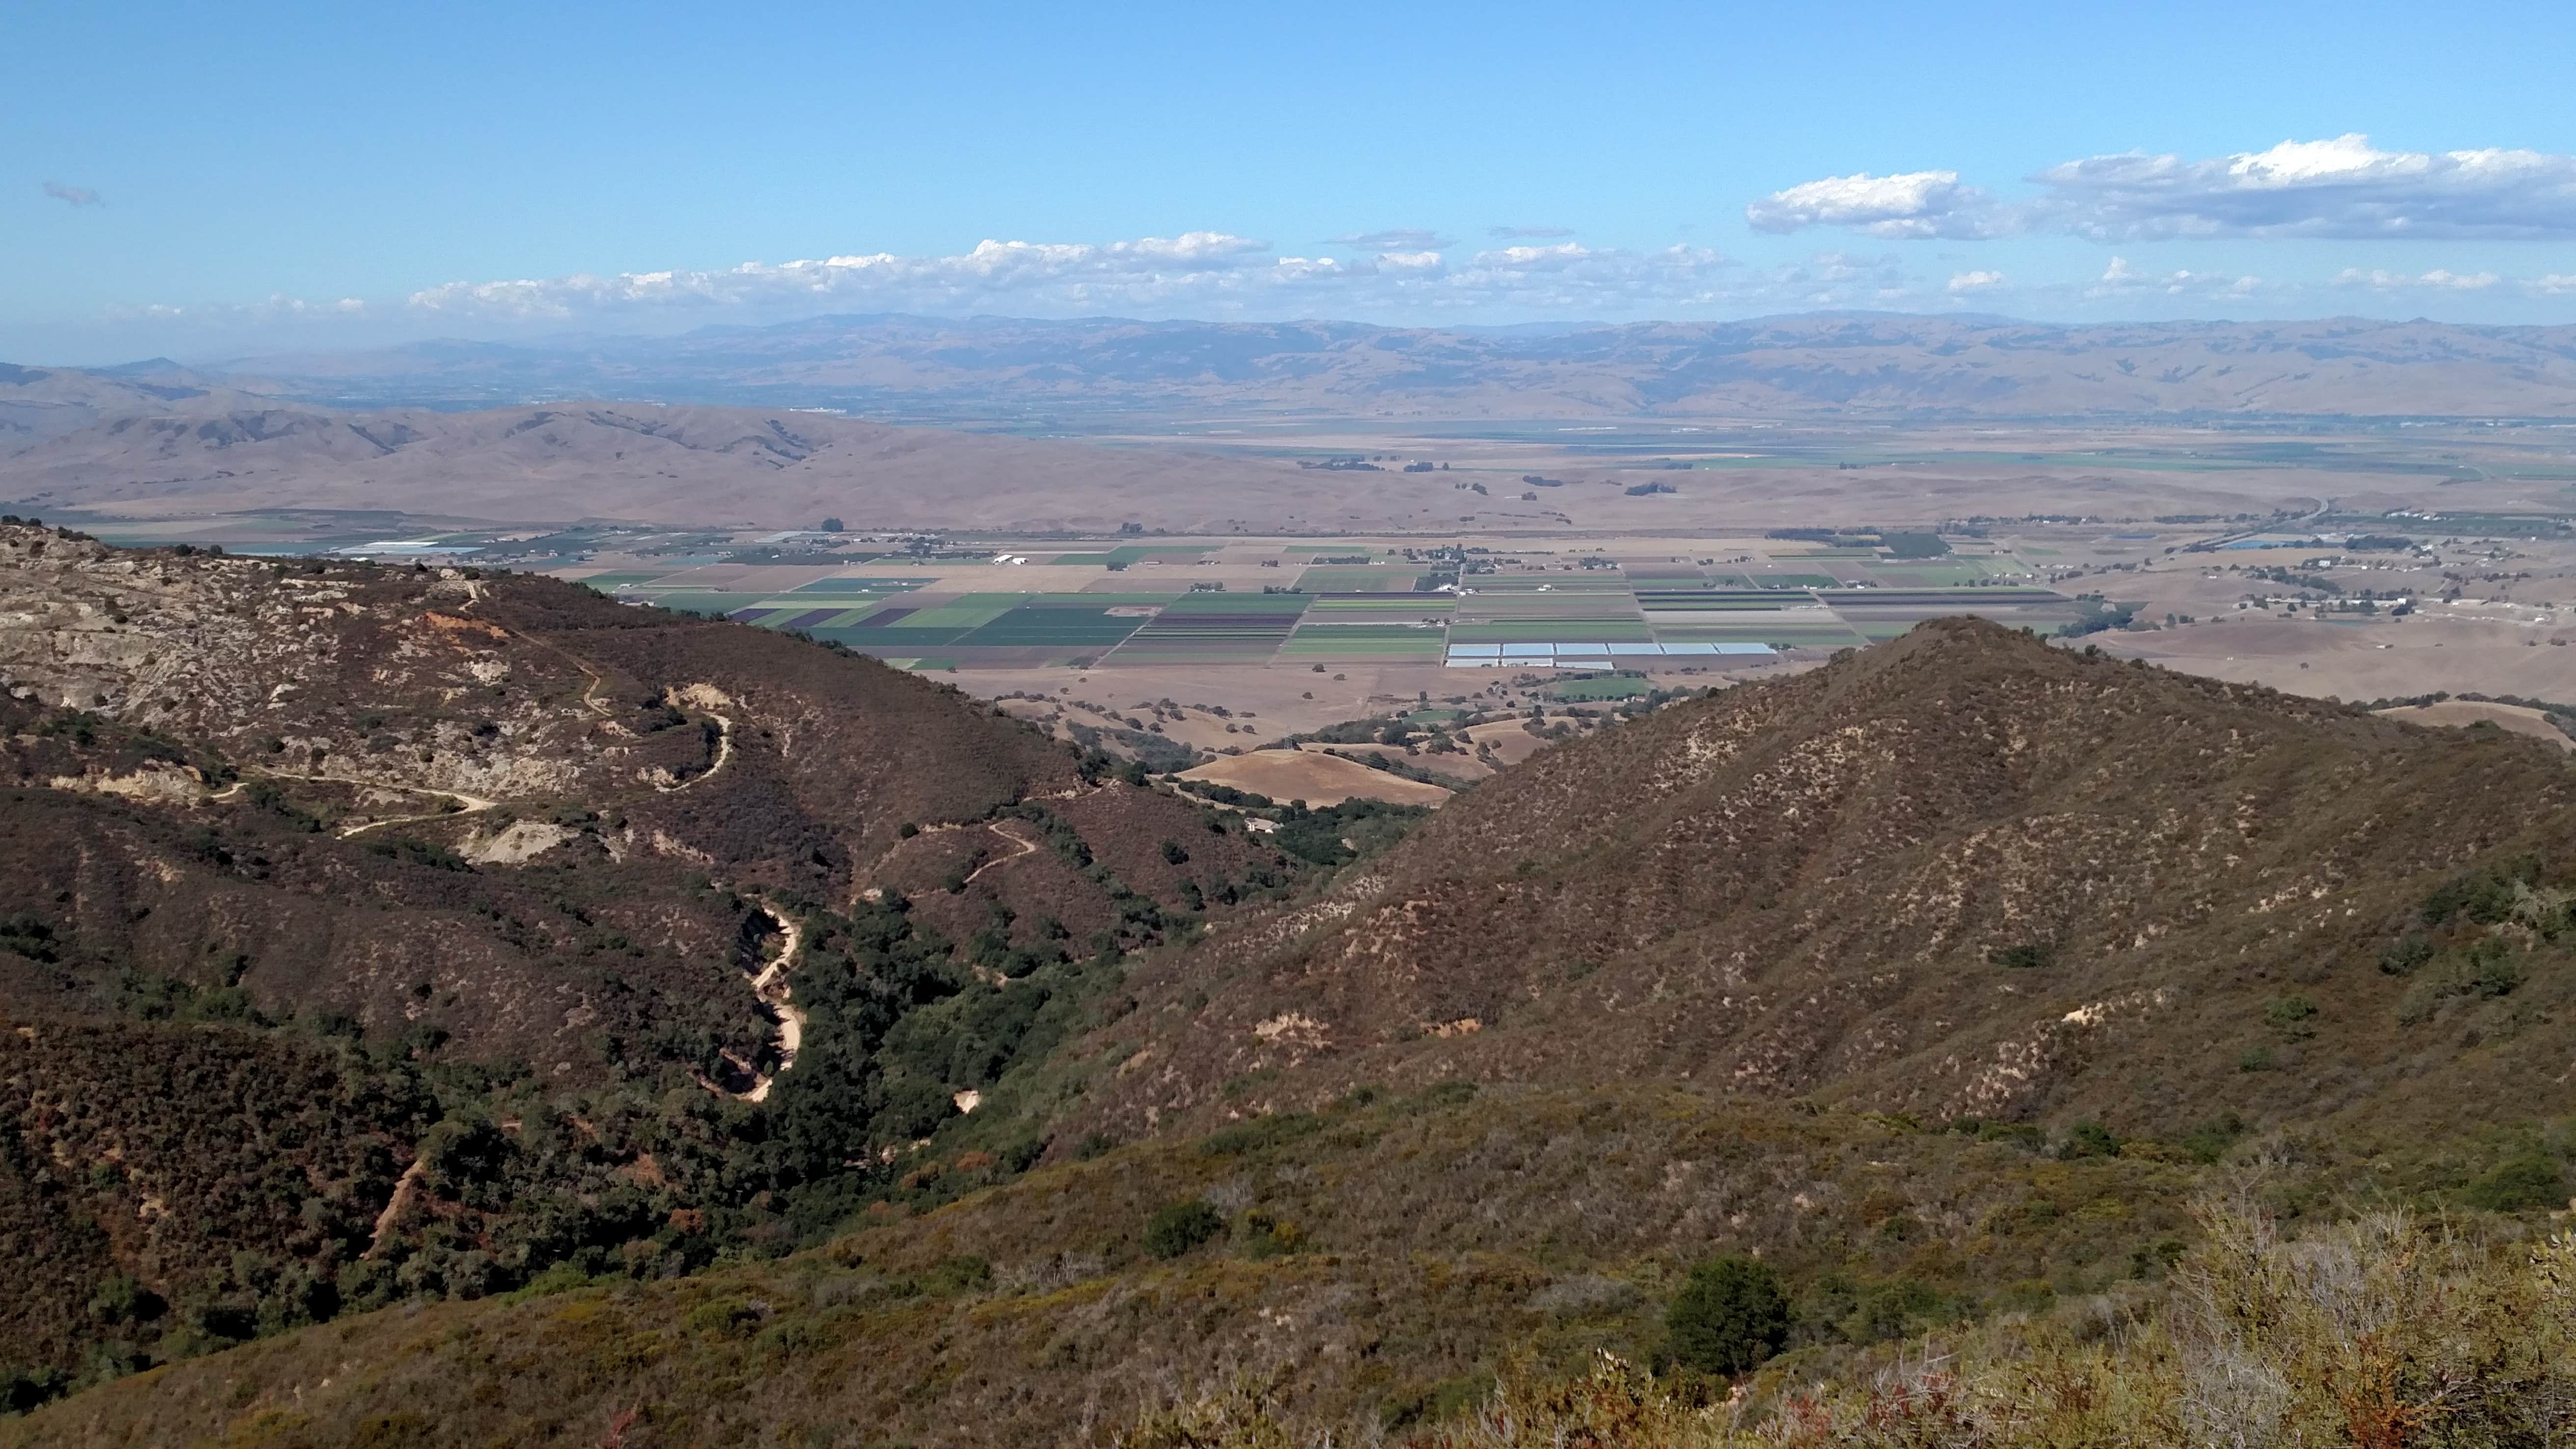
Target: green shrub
[2406, 956]
[964, 1274]
[2292, 1016]
[2209, 1141]
[1729, 1318]
[2493, 969]
[2089, 1139]
[1259, 1132]
[1176, 1229]
[2525, 1183]
[2486, 896]
[2024, 957]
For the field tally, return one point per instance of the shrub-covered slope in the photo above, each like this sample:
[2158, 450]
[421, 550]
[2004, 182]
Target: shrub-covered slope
[616, 936]
[1938, 981]
[1963, 873]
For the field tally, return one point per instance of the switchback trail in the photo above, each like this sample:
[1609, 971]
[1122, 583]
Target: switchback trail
[467, 804]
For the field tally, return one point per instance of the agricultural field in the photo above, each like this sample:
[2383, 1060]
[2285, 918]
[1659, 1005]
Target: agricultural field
[2220, 553]
[1308, 631]
[1229, 604]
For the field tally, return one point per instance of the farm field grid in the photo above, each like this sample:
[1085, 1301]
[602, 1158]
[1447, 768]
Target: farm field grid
[1308, 631]
[2378, 562]
[1688, 604]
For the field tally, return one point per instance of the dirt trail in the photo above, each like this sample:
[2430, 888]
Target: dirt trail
[472, 805]
[1026, 846]
[724, 757]
[469, 804]
[405, 1189]
[1002, 828]
[771, 987]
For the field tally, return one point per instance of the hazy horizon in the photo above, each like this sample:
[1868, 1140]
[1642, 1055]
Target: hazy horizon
[220, 361]
[205, 184]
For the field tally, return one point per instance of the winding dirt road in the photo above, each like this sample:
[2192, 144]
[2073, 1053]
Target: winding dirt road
[774, 992]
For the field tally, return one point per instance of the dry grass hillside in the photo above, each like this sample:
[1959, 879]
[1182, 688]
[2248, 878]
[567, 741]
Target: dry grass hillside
[1820, 363]
[648, 462]
[1961, 873]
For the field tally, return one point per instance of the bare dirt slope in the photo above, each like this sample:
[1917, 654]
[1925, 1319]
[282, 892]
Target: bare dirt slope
[1318, 777]
[2463, 713]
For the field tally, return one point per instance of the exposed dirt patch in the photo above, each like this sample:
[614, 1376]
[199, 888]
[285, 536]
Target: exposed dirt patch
[2461, 713]
[516, 843]
[1317, 777]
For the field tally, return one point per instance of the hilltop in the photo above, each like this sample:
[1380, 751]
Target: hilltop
[1961, 874]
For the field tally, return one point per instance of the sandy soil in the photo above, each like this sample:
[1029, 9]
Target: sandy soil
[2362, 661]
[1315, 776]
[2460, 713]
[1463, 768]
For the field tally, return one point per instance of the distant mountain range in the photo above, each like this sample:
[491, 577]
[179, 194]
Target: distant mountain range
[785, 425]
[1829, 364]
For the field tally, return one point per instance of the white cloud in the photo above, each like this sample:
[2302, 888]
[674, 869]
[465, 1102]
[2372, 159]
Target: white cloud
[2342, 188]
[2556, 284]
[276, 309]
[1198, 273]
[1912, 206]
[2339, 188]
[74, 195]
[993, 269]
[1967, 282]
[2438, 279]
[2121, 279]
[1401, 239]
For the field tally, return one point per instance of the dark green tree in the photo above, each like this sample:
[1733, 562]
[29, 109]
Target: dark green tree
[1180, 1227]
[1729, 1317]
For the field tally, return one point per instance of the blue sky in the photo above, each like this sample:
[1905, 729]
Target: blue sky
[208, 180]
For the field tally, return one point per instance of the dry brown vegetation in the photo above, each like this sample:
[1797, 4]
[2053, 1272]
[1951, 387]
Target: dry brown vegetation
[1943, 980]
[1961, 873]
[1317, 777]
[313, 874]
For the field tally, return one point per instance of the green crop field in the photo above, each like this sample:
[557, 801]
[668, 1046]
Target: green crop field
[892, 640]
[1695, 600]
[1216, 628]
[843, 584]
[1628, 629]
[1053, 625]
[1813, 633]
[1403, 609]
[1350, 579]
[969, 611]
[705, 601]
[1364, 641]
[1601, 686]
